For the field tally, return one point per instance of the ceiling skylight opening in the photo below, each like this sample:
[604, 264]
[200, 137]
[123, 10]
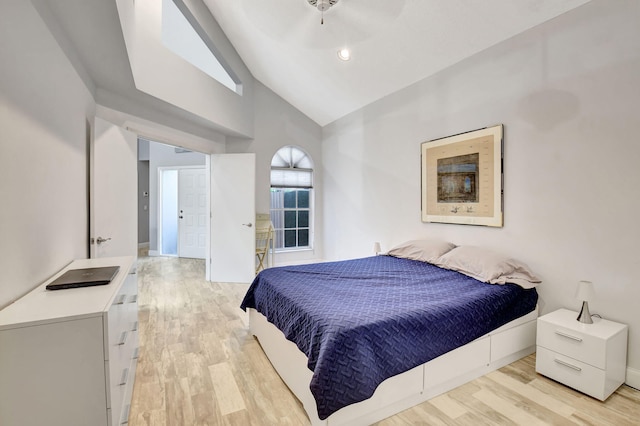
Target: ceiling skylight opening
[344, 54]
[185, 38]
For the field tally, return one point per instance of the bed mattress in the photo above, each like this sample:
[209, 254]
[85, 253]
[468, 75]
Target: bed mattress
[362, 321]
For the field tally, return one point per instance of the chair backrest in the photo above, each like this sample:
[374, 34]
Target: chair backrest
[263, 238]
[264, 234]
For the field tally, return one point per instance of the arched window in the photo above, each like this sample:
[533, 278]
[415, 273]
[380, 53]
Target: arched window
[292, 198]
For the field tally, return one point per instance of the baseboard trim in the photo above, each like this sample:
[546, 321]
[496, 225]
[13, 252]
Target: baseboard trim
[633, 378]
[154, 253]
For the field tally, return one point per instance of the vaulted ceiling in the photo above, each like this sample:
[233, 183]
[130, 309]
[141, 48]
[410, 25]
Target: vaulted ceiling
[393, 43]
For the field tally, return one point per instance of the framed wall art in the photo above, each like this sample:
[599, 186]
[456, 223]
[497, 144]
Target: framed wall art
[462, 178]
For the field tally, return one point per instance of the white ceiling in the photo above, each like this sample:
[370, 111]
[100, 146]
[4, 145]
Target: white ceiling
[394, 43]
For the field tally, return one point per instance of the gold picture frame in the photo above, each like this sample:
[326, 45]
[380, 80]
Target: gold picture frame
[462, 178]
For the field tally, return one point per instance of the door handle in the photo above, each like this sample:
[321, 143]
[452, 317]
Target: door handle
[101, 240]
[248, 225]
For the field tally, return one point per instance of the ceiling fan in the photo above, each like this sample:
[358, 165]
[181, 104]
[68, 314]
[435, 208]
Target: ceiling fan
[322, 6]
[351, 20]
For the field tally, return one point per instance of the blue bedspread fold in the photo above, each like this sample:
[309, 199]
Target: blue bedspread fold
[362, 321]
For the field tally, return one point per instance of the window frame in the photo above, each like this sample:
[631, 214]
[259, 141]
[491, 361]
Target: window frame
[296, 161]
[281, 210]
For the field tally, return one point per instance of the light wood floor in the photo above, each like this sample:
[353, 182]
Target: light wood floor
[199, 366]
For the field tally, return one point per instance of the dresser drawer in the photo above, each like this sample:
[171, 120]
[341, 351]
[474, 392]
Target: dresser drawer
[122, 318]
[122, 344]
[573, 373]
[572, 343]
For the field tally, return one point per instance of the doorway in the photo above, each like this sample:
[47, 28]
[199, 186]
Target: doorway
[163, 198]
[229, 215]
[183, 194]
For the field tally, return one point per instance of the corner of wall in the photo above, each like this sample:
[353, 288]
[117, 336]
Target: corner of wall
[633, 378]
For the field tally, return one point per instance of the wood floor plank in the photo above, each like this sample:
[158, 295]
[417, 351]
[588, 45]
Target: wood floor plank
[198, 374]
[226, 389]
[199, 365]
[148, 396]
[532, 394]
[602, 413]
[480, 412]
[206, 412]
[149, 418]
[178, 404]
[423, 414]
[506, 408]
[448, 406]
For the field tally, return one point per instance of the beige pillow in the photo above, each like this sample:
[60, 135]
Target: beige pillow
[423, 250]
[488, 266]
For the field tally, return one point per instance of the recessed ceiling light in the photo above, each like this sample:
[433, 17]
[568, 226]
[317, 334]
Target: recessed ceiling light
[344, 54]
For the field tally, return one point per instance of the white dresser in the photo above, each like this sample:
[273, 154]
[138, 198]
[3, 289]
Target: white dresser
[591, 358]
[68, 357]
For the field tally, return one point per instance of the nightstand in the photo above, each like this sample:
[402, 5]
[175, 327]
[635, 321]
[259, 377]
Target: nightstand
[591, 358]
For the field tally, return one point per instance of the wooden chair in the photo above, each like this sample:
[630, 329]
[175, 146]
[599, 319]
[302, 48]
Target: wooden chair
[264, 236]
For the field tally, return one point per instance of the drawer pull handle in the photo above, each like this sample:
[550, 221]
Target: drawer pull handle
[569, 336]
[125, 377]
[120, 299]
[136, 353]
[133, 298]
[123, 338]
[125, 415]
[566, 364]
[135, 326]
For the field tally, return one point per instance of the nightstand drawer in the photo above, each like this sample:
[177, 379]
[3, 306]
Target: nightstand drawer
[571, 372]
[572, 343]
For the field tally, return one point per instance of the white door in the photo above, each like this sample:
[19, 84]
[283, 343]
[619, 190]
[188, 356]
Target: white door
[113, 200]
[233, 217]
[193, 213]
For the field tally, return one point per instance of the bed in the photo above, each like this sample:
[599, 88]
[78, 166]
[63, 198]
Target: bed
[359, 340]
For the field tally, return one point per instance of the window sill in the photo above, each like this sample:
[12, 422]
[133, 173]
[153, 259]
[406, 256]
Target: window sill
[293, 250]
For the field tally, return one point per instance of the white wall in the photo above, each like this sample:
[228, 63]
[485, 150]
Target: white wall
[161, 155]
[161, 73]
[45, 114]
[279, 124]
[567, 93]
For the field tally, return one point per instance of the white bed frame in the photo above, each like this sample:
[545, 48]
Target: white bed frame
[502, 346]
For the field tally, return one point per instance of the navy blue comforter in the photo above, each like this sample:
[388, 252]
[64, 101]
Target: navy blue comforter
[362, 321]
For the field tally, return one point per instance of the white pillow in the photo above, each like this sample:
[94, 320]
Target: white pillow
[423, 250]
[488, 266]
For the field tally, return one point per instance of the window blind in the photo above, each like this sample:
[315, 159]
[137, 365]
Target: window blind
[291, 178]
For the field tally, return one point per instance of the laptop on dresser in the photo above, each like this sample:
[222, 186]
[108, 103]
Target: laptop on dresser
[84, 277]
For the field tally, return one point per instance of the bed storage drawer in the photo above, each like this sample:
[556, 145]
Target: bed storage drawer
[513, 340]
[467, 358]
